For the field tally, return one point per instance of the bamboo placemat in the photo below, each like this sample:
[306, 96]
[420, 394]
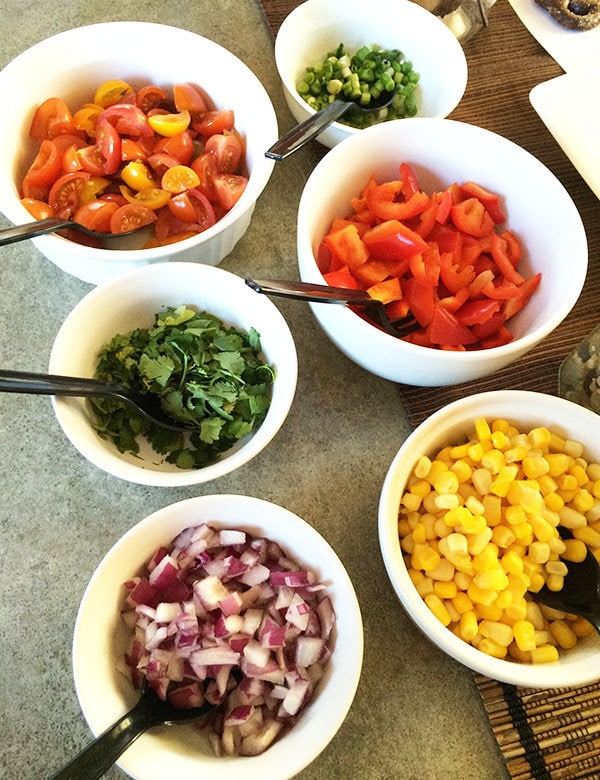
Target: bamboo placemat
[551, 734]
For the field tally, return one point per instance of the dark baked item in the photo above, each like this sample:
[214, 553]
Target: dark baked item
[573, 14]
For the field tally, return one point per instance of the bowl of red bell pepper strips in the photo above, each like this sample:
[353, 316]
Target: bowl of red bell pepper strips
[453, 228]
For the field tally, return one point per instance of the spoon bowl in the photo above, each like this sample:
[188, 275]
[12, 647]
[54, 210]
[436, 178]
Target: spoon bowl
[580, 593]
[310, 128]
[50, 225]
[150, 711]
[80, 387]
[323, 293]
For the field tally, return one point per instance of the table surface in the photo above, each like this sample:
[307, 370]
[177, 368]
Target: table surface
[417, 714]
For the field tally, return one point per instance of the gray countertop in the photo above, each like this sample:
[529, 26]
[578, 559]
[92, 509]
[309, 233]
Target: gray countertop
[417, 714]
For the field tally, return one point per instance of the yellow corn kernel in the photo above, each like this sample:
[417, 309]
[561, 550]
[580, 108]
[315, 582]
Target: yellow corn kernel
[557, 546]
[563, 635]
[500, 440]
[552, 614]
[468, 626]
[444, 456]
[515, 454]
[483, 431]
[461, 602]
[420, 488]
[489, 647]
[487, 559]
[516, 611]
[492, 509]
[579, 473]
[525, 493]
[539, 552]
[501, 485]
[547, 484]
[573, 448]
[555, 582]
[524, 633]
[490, 580]
[581, 627]
[536, 582]
[554, 501]
[575, 550]
[515, 515]
[407, 544]
[419, 534]
[504, 600]
[473, 524]
[444, 589]
[558, 462]
[593, 514]
[478, 542]
[542, 529]
[587, 535]
[436, 605]
[539, 437]
[424, 587]
[459, 452]
[498, 632]
[441, 529]
[429, 504]
[503, 536]
[474, 505]
[512, 562]
[535, 616]
[456, 517]
[500, 424]
[411, 501]
[444, 571]
[571, 518]
[422, 467]
[482, 481]
[437, 467]
[445, 482]
[593, 471]
[479, 595]
[424, 557]
[493, 460]
[454, 616]
[521, 656]
[544, 654]
[567, 483]
[462, 470]
[476, 452]
[446, 500]
[535, 466]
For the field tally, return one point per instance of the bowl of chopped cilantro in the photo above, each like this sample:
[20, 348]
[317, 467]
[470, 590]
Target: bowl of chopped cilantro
[329, 51]
[193, 341]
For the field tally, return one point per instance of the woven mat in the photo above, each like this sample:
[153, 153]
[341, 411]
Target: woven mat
[543, 734]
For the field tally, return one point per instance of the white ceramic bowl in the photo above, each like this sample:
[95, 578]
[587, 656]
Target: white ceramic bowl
[525, 409]
[71, 65]
[443, 151]
[131, 301]
[100, 637]
[319, 26]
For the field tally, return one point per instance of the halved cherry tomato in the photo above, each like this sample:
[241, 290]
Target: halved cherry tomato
[180, 146]
[179, 178]
[170, 124]
[127, 119]
[50, 119]
[90, 159]
[108, 142]
[153, 197]
[138, 176]
[227, 150]
[132, 150]
[229, 188]
[161, 162]
[67, 193]
[205, 166]
[46, 167]
[149, 97]
[96, 215]
[111, 92]
[86, 117]
[189, 97]
[38, 209]
[211, 122]
[130, 217]
[193, 207]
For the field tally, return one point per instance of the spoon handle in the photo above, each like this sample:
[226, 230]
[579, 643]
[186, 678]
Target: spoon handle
[308, 291]
[101, 754]
[52, 384]
[307, 130]
[32, 229]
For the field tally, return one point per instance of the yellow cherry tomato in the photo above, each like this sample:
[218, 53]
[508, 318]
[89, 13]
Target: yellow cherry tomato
[138, 176]
[179, 178]
[110, 92]
[153, 197]
[170, 124]
[85, 119]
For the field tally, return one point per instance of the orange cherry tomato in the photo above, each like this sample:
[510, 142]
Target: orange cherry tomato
[46, 167]
[38, 209]
[111, 92]
[149, 97]
[170, 124]
[51, 118]
[179, 178]
[86, 117]
[180, 146]
[190, 97]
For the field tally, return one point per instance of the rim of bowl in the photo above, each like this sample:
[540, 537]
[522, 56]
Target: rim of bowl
[104, 455]
[332, 13]
[495, 403]
[260, 516]
[351, 146]
[259, 176]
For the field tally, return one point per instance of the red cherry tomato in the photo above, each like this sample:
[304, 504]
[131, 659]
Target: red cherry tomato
[229, 188]
[211, 122]
[180, 146]
[51, 118]
[46, 167]
[149, 97]
[96, 215]
[130, 217]
[127, 119]
[227, 149]
[189, 97]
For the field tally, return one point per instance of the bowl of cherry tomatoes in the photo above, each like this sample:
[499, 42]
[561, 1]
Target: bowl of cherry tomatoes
[172, 148]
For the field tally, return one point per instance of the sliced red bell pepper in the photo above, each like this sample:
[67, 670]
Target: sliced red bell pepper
[447, 330]
[477, 312]
[471, 217]
[347, 246]
[410, 183]
[452, 275]
[490, 326]
[420, 299]
[371, 272]
[527, 288]
[342, 278]
[382, 205]
[490, 200]
[426, 266]
[392, 240]
[386, 291]
[499, 247]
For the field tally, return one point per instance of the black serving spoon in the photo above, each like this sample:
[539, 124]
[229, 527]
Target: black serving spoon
[150, 711]
[42, 226]
[580, 593]
[53, 384]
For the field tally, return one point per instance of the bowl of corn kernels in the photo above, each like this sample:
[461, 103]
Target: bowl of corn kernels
[470, 520]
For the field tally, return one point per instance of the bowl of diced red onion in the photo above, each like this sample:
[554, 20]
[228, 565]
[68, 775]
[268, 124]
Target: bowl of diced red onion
[233, 600]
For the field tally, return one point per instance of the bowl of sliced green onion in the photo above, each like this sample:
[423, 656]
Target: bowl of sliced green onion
[328, 50]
